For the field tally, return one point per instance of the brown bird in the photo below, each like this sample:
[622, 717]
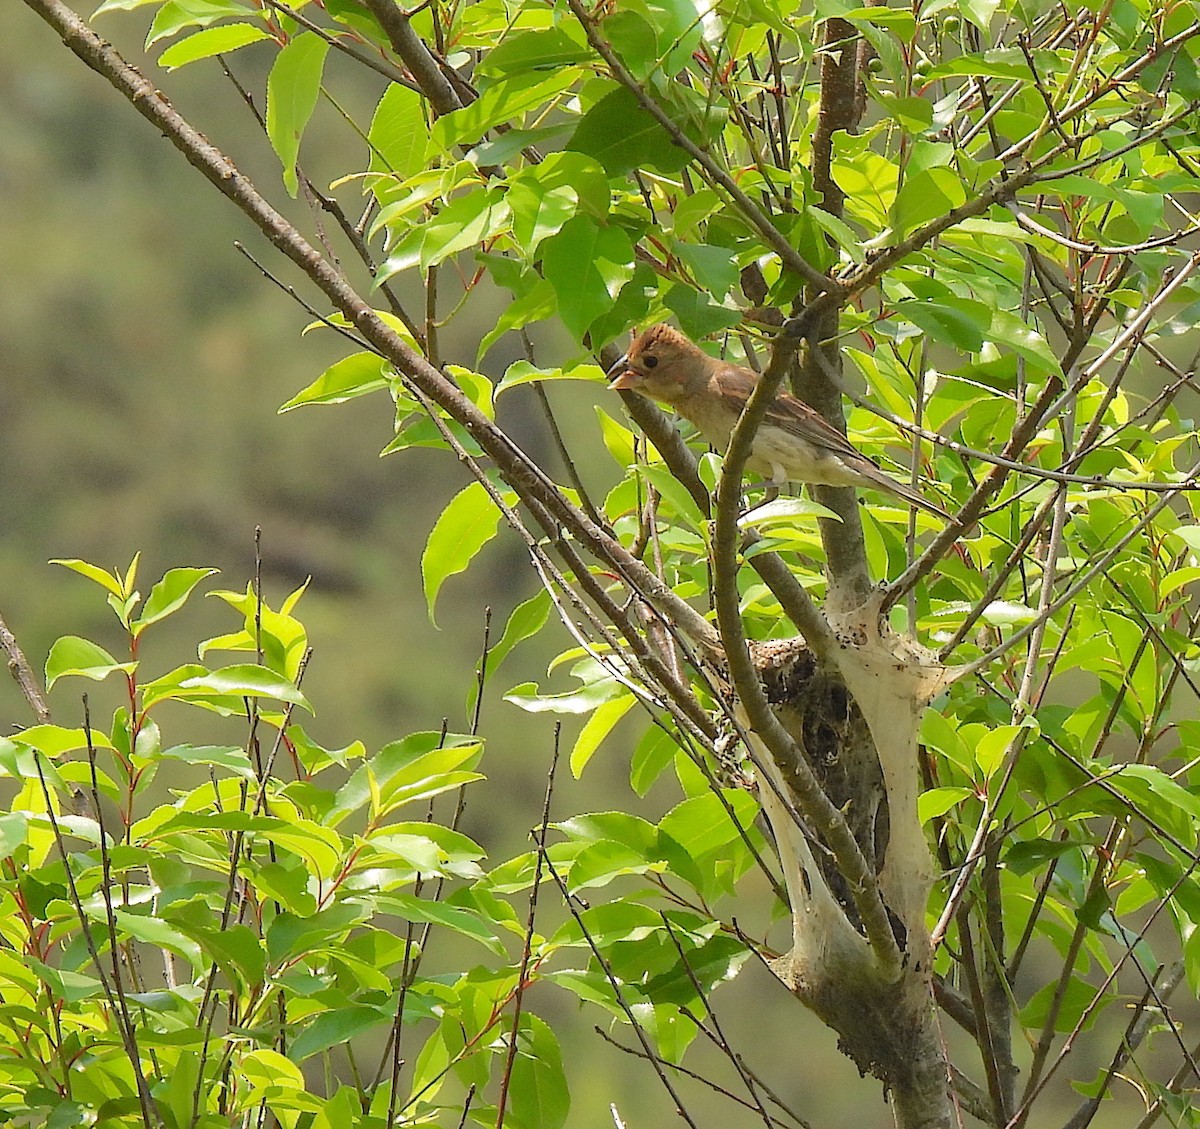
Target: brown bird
[793, 444]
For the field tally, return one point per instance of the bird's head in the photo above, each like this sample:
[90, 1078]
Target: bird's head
[662, 364]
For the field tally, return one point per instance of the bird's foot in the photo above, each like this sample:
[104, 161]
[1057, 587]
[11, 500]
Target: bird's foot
[771, 494]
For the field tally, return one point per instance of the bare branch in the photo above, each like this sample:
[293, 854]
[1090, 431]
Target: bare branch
[20, 669]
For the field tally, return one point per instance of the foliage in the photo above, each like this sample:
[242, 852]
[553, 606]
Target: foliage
[182, 962]
[984, 208]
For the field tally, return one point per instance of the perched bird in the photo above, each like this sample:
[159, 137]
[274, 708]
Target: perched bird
[793, 444]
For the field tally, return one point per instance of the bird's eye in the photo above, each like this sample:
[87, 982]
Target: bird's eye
[650, 362]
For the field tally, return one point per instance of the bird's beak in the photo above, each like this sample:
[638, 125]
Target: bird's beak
[622, 376]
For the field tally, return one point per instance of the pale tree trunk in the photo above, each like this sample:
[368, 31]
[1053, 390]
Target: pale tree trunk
[852, 710]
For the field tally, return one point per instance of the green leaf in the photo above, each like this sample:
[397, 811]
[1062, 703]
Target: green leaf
[654, 37]
[175, 15]
[318, 847]
[267, 1071]
[1006, 613]
[71, 987]
[714, 268]
[992, 747]
[336, 1028]
[354, 14]
[1032, 854]
[1008, 329]
[704, 825]
[417, 765]
[1004, 63]
[14, 827]
[938, 801]
[507, 101]
[979, 12]
[698, 316]
[212, 41]
[467, 524]
[231, 757]
[539, 1094]
[169, 595]
[106, 580]
[959, 322]
[153, 930]
[54, 740]
[522, 372]
[180, 1088]
[654, 753]
[464, 921]
[598, 726]
[587, 265]
[292, 89]
[1073, 1002]
[899, 21]
[398, 137]
[914, 114]
[584, 700]
[475, 218]
[535, 305]
[247, 680]
[1146, 783]
[618, 439]
[540, 49]
[622, 136]
[526, 620]
[236, 949]
[347, 379]
[122, 6]
[673, 493]
[74, 655]
[425, 853]
[1189, 535]
[539, 210]
[926, 196]
[783, 512]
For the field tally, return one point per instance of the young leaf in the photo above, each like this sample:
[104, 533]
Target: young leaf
[209, 42]
[169, 595]
[73, 655]
[292, 89]
[526, 620]
[344, 380]
[598, 726]
[107, 580]
[246, 680]
[467, 524]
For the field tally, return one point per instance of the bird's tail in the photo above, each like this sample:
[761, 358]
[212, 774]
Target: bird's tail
[887, 482]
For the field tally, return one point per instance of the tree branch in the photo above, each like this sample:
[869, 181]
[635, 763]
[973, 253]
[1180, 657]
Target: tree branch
[815, 805]
[425, 69]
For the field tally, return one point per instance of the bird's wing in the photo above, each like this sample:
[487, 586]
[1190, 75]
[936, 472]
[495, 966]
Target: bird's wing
[797, 418]
[787, 413]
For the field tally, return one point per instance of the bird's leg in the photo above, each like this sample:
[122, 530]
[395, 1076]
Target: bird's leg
[771, 494]
[774, 485]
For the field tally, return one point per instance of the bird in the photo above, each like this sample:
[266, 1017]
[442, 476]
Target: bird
[793, 443]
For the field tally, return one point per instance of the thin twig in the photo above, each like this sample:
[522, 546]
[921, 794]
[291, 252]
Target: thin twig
[527, 945]
[619, 996]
